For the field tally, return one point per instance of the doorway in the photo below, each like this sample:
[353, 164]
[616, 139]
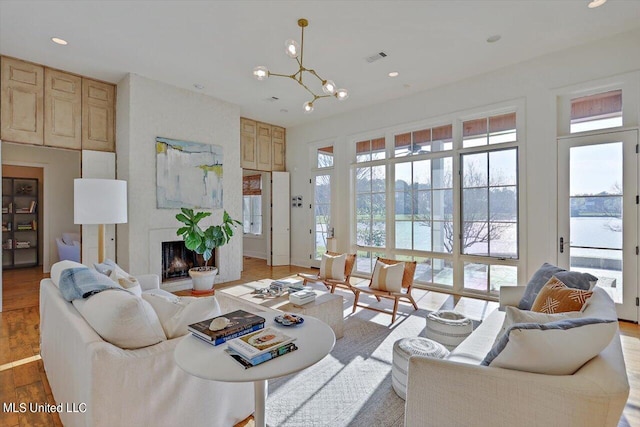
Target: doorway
[598, 212]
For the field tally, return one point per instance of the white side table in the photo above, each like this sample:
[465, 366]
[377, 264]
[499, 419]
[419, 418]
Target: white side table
[314, 339]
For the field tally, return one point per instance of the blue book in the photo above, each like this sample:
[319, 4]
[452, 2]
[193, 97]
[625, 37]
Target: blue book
[248, 363]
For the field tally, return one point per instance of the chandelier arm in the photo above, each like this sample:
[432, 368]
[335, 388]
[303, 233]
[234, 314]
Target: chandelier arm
[291, 76]
[316, 74]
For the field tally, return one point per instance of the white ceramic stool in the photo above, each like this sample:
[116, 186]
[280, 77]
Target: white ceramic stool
[405, 348]
[449, 328]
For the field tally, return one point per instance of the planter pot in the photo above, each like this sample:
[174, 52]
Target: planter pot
[203, 277]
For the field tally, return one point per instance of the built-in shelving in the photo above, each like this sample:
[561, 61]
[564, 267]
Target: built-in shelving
[19, 222]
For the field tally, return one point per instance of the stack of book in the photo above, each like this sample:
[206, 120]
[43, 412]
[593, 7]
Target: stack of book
[256, 348]
[240, 323]
[26, 226]
[22, 244]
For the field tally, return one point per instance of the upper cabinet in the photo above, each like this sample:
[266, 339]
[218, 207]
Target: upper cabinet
[262, 146]
[62, 109]
[21, 106]
[98, 121]
[43, 106]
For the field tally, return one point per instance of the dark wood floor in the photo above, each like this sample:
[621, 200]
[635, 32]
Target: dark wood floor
[22, 377]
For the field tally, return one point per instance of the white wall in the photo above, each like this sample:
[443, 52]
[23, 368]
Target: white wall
[61, 167]
[147, 109]
[535, 81]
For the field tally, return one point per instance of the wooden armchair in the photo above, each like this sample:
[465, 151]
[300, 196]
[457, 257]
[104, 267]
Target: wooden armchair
[332, 283]
[405, 293]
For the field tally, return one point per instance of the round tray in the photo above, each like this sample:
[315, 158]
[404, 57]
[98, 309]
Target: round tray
[289, 319]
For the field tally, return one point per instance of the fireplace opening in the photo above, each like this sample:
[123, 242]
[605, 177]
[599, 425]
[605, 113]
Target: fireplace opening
[177, 260]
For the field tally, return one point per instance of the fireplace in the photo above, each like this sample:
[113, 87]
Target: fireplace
[177, 260]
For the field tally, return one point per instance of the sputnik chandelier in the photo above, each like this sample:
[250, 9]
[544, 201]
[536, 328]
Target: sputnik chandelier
[295, 51]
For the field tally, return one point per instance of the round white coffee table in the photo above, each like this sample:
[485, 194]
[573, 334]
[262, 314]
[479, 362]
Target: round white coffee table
[314, 339]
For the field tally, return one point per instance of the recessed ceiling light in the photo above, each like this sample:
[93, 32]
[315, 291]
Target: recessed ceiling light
[494, 38]
[393, 74]
[59, 41]
[198, 86]
[596, 3]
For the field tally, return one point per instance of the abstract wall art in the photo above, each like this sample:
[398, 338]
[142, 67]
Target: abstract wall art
[188, 174]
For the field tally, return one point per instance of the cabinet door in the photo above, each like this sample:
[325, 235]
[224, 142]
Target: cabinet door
[264, 147]
[277, 148]
[248, 144]
[62, 109]
[22, 93]
[98, 115]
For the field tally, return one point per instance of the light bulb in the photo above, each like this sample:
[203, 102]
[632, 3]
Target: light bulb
[260, 73]
[308, 107]
[329, 87]
[596, 3]
[292, 48]
[342, 94]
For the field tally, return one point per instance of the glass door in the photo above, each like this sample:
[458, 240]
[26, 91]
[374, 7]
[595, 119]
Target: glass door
[321, 216]
[597, 212]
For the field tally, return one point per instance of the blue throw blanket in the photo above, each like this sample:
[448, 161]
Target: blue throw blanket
[76, 283]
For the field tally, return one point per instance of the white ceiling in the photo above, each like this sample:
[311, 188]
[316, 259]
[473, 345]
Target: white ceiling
[218, 43]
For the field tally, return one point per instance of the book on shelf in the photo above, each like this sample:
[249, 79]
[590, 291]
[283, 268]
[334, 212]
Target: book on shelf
[32, 206]
[239, 321]
[260, 342]
[226, 338]
[249, 363]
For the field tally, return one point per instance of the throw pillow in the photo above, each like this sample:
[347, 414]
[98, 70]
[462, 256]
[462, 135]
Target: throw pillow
[129, 283]
[59, 267]
[556, 348]
[572, 279]
[332, 266]
[109, 266]
[122, 319]
[514, 315]
[176, 313]
[556, 297]
[387, 277]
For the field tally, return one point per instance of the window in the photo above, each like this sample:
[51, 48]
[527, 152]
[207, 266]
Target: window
[370, 209]
[324, 157]
[599, 111]
[424, 141]
[489, 130]
[370, 150]
[252, 204]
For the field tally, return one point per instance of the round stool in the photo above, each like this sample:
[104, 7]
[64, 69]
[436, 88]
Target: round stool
[405, 348]
[449, 328]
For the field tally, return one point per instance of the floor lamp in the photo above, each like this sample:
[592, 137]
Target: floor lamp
[99, 201]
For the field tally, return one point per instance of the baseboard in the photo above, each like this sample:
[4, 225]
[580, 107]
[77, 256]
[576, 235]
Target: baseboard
[300, 263]
[251, 254]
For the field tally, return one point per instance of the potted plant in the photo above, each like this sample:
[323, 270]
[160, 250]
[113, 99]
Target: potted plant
[204, 242]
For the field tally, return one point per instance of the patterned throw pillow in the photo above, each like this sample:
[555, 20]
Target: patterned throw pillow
[387, 277]
[556, 297]
[332, 267]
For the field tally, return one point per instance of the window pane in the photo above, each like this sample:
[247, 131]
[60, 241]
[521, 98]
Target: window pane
[403, 235]
[378, 149]
[378, 179]
[363, 180]
[363, 205]
[422, 174]
[442, 204]
[503, 168]
[476, 276]
[246, 214]
[403, 174]
[503, 204]
[474, 133]
[595, 169]
[423, 270]
[325, 157]
[474, 204]
[502, 275]
[422, 235]
[422, 141]
[502, 128]
[596, 231]
[442, 272]
[599, 111]
[442, 172]
[475, 238]
[474, 170]
[442, 138]
[503, 238]
[422, 206]
[377, 235]
[256, 215]
[442, 232]
[402, 145]
[404, 206]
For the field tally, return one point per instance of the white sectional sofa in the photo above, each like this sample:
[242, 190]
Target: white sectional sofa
[128, 388]
[458, 391]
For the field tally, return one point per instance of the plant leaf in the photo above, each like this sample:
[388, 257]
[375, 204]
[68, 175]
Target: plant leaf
[192, 241]
[183, 218]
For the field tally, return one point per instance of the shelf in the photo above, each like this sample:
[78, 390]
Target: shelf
[20, 193]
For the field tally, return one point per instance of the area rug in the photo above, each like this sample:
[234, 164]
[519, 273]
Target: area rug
[351, 386]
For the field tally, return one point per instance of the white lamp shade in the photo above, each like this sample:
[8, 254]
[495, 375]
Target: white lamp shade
[99, 201]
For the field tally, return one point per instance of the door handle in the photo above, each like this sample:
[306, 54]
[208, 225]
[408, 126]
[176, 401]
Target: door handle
[562, 245]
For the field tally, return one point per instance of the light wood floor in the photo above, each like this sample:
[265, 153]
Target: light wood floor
[22, 377]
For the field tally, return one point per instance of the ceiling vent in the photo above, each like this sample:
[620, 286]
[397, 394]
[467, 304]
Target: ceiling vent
[377, 56]
[271, 99]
